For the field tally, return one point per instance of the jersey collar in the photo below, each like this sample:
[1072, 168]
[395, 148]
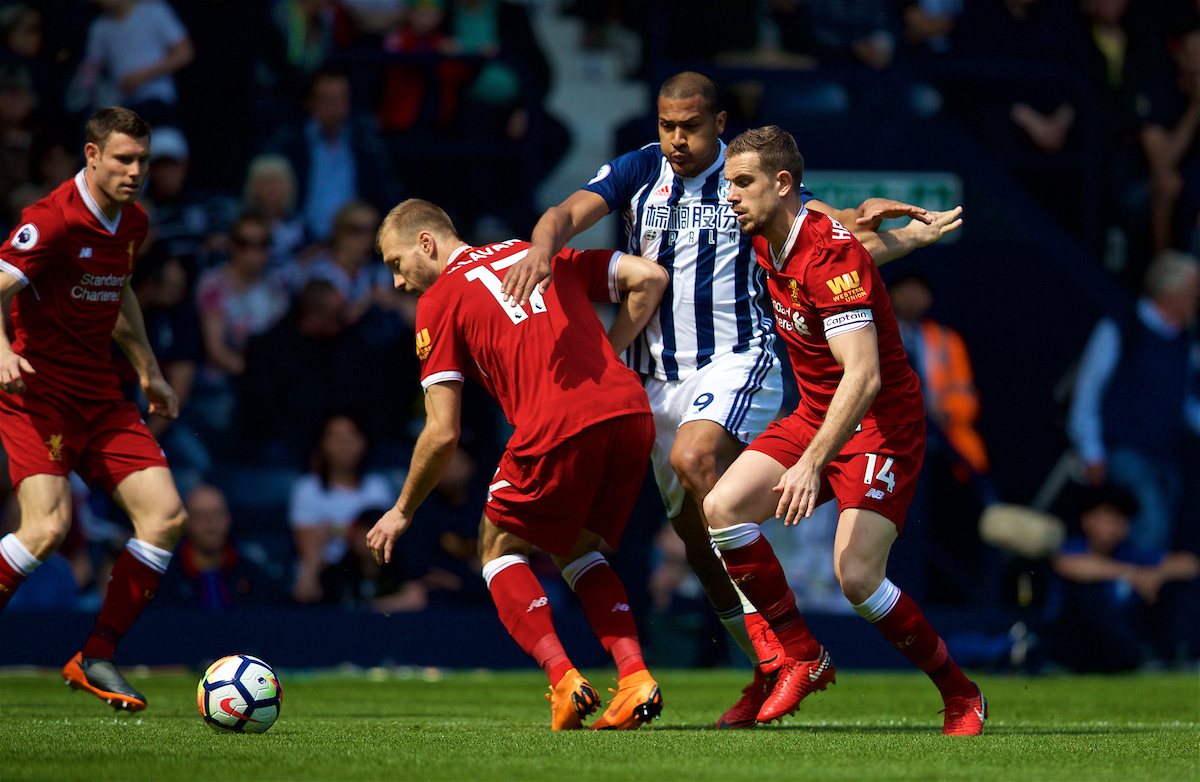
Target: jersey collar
[93, 207]
[778, 261]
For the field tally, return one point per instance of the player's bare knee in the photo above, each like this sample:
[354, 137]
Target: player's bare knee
[48, 533]
[719, 510]
[696, 467]
[859, 581]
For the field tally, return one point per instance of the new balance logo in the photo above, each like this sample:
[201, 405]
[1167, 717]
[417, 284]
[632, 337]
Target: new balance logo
[538, 602]
[85, 252]
[620, 607]
[875, 494]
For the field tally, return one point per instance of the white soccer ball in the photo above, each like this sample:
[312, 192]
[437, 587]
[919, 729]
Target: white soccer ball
[239, 693]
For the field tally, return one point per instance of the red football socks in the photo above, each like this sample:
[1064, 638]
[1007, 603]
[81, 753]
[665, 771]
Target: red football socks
[757, 572]
[525, 611]
[131, 587]
[907, 629]
[607, 609]
[10, 579]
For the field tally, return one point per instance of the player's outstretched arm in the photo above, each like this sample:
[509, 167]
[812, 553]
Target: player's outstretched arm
[130, 334]
[431, 456]
[858, 354]
[558, 226]
[918, 233]
[11, 364]
[641, 283]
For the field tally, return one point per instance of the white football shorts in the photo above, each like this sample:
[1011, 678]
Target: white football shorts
[740, 391]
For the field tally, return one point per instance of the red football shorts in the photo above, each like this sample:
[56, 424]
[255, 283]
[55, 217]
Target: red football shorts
[102, 440]
[589, 481]
[877, 469]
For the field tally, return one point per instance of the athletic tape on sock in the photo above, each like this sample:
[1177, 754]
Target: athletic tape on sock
[574, 570]
[149, 555]
[18, 557]
[737, 536]
[878, 605]
[499, 563]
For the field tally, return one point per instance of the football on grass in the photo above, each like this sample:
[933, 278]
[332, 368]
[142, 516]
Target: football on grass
[239, 693]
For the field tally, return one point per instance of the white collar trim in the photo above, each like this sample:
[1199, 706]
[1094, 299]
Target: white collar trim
[778, 260]
[93, 207]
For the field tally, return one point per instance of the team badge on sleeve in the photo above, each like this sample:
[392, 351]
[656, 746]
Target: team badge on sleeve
[26, 237]
[604, 171]
[424, 344]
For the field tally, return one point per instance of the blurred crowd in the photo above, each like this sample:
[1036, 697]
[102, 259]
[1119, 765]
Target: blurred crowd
[285, 129]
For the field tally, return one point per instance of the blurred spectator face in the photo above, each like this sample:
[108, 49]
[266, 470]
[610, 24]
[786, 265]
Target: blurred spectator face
[1104, 526]
[173, 285]
[23, 31]
[354, 232]
[249, 244]
[329, 103]
[1105, 12]
[57, 165]
[911, 299]
[167, 176]
[321, 311]
[272, 193]
[1187, 56]
[343, 444]
[208, 519]
[17, 100]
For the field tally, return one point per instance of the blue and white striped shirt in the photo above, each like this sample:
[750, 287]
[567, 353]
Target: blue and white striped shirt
[716, 300]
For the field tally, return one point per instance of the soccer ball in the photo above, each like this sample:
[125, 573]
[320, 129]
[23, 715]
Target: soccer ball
[239, 693]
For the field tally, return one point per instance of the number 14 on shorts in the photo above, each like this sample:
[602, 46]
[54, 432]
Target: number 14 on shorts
[885, 474]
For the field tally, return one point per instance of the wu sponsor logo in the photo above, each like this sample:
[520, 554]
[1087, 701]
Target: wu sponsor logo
[845, 282]
[85, 252]
[424, 344]
[55, 443]
[538, 602]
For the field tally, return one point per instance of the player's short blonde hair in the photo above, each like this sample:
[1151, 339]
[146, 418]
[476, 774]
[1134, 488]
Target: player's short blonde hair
[413, 216]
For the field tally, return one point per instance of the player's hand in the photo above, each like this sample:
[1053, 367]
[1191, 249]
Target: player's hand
[11, 367]
[876, 210]
[798, 490]
[530, 273]
[162, 398]
[384, 534]
[938, 225]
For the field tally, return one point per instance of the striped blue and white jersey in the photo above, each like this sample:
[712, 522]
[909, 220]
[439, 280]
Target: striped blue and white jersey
[716, 301]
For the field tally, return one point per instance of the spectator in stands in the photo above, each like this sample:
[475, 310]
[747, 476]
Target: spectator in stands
[838, 30]
[207, 570]
[161, 284]
[308, 30]
[307, 367]
[939, 355]
[270, 191]
[1171, 126]
[1113, 599]
[17, 101]
[187, 223]
[139, 45]
[53, 161]
[338, 157]
[1137, 391]
[325, 503]
[236, 300]
[351, 266]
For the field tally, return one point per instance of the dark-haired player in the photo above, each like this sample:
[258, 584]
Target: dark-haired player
[858, 435]
[707, 354]
[66, 270]
[582, 432]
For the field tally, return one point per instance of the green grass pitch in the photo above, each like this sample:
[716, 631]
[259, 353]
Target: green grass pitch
[485, 726]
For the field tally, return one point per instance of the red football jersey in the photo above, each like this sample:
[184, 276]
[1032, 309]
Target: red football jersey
[548, 364]
[74, 264]
[824, 284]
